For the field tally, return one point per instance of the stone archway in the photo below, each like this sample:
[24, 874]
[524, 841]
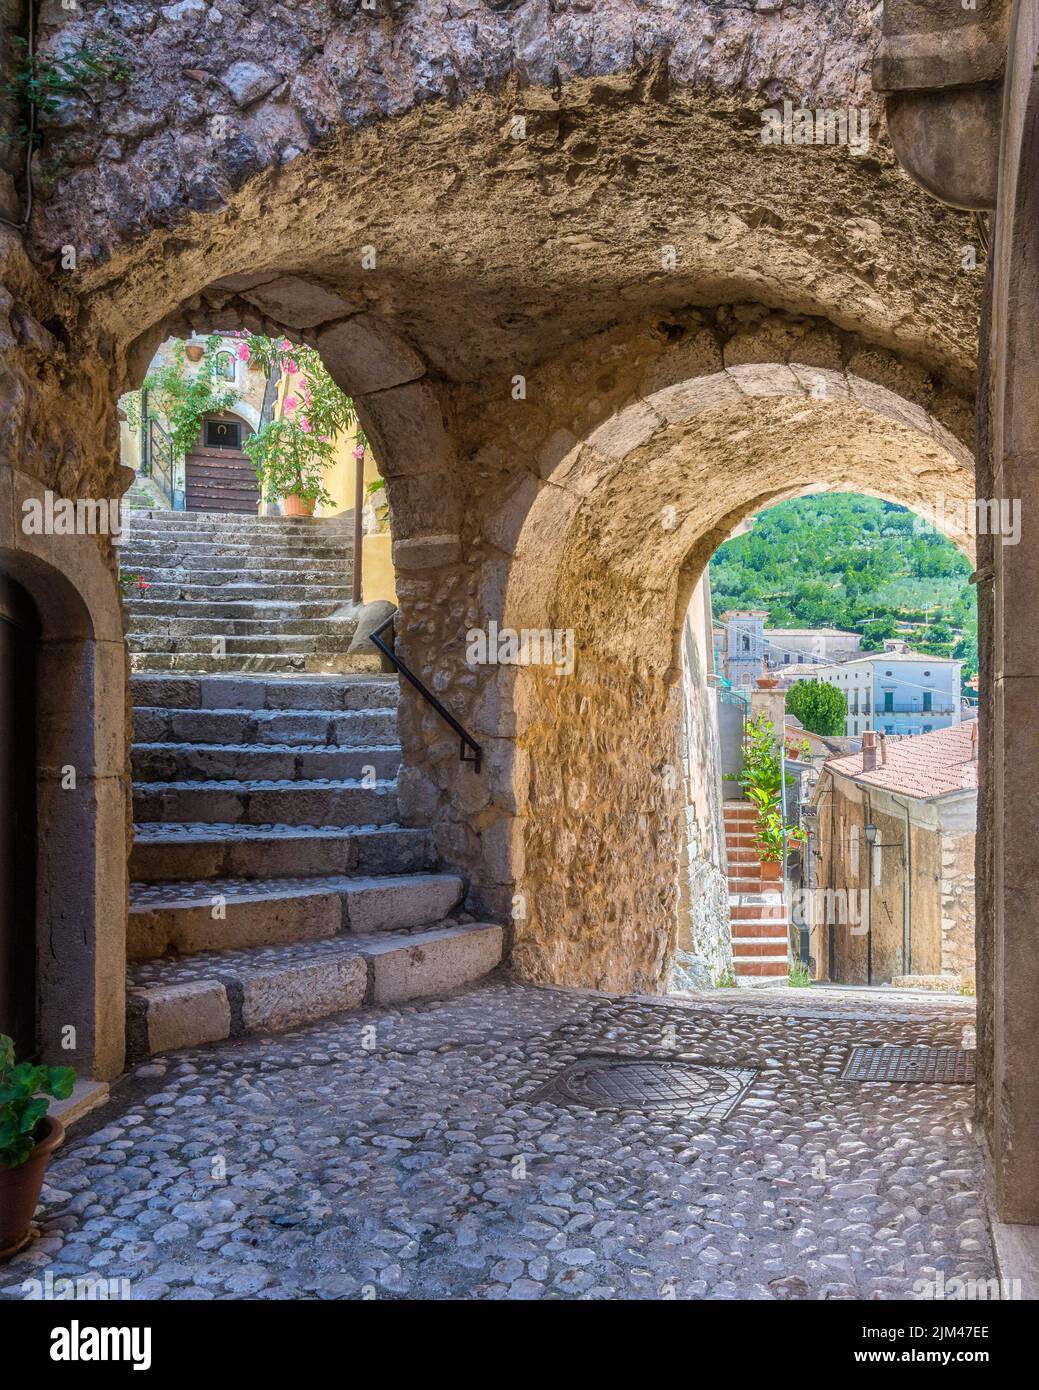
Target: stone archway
[81, 817]
[610, 545]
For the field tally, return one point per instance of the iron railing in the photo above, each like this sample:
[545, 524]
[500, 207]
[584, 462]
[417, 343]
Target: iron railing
[466, 739]
[160, 458]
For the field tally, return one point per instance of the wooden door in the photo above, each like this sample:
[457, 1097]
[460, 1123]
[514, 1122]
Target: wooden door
[219, 477]
[19, 633]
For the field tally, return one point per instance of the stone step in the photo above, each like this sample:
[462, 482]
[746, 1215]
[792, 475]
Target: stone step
[247, 692]
[330, 639]
[232, 914]
[188, 852]
[246, 663]
[261, 544]
[270, 611]
[163, 520]
[233, 572]
[256, 802]
[176, 590]
[264, 627]
[285, 728]
[174, 1004]
[777, 968]
[769, 928]
[210, 762]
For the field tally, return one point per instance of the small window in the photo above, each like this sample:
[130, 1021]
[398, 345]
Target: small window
[223, 434]
[224, 364]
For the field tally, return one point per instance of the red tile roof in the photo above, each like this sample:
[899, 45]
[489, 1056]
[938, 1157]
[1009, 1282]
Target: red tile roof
[922, 766]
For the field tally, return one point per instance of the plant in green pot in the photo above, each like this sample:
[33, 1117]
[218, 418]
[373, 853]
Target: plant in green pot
[28, 1137]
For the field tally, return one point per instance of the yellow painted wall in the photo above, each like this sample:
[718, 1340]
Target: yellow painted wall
[377, 578]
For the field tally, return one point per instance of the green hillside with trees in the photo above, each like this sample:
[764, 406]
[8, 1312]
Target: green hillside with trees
[840, 559]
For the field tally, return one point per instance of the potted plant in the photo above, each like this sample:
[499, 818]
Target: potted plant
[195, 352]
[290, 465]
[28, 1137]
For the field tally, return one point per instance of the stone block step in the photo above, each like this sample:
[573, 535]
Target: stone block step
[188, 852]
[262, 543]
[233, 573]
[223, 625]
[249, 663]
[248, 692]
[330, 638]
[164, 520]
[209, 762]
[286, 728]
[232, 914]
[747, 949]
[174, 1004]
[140, 610]
[317, 803]
[177, 590]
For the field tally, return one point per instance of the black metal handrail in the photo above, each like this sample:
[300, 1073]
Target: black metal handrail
[467, 740]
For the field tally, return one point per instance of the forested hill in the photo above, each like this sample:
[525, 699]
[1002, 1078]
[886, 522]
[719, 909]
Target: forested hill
[839, 559]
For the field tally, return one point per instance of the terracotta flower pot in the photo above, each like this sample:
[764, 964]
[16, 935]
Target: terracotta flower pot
[771, 870]
[20, 1188]
[194, 352]
[297, 506]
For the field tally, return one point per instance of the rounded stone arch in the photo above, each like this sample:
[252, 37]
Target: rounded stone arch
[404, 411]
[612, 541]
[81, 783]
[708, 452]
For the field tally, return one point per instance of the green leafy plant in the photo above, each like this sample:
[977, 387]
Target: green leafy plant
[292, 454]
[289, 462]
[762, 783]
[800, 977]
[186, 397]
[38, 84]
[820, 706]
[128, 580]
[24, 1088]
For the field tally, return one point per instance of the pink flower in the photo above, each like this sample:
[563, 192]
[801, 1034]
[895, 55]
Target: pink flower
[305, 424]
[359, 453]
[285, 345]
[293, 368]
[243, 352]
[291, 402]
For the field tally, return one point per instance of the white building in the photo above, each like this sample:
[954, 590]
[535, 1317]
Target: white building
[750, 646]
[898, 692]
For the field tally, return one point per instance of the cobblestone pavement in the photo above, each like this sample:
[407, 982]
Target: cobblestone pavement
[399, 1153]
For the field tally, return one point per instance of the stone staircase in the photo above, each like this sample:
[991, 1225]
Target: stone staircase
[232, 593]
[272, 883]
[757, 910]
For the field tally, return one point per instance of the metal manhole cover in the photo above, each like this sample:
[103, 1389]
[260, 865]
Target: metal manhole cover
[948, 1066]
[650, 1083]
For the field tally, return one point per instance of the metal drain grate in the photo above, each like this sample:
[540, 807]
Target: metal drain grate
[944, 1066]
[609, 1082]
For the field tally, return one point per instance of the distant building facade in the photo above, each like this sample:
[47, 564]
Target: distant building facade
[899, 693]
[750, 646]
[891, 860]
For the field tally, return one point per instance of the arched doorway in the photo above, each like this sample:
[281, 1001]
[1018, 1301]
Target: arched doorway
[19, 637]
[63, 774]
[218, 474]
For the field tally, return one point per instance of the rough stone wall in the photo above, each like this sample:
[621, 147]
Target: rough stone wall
[602, 838]
[957, 907]
[704, 952]
[285, 77]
